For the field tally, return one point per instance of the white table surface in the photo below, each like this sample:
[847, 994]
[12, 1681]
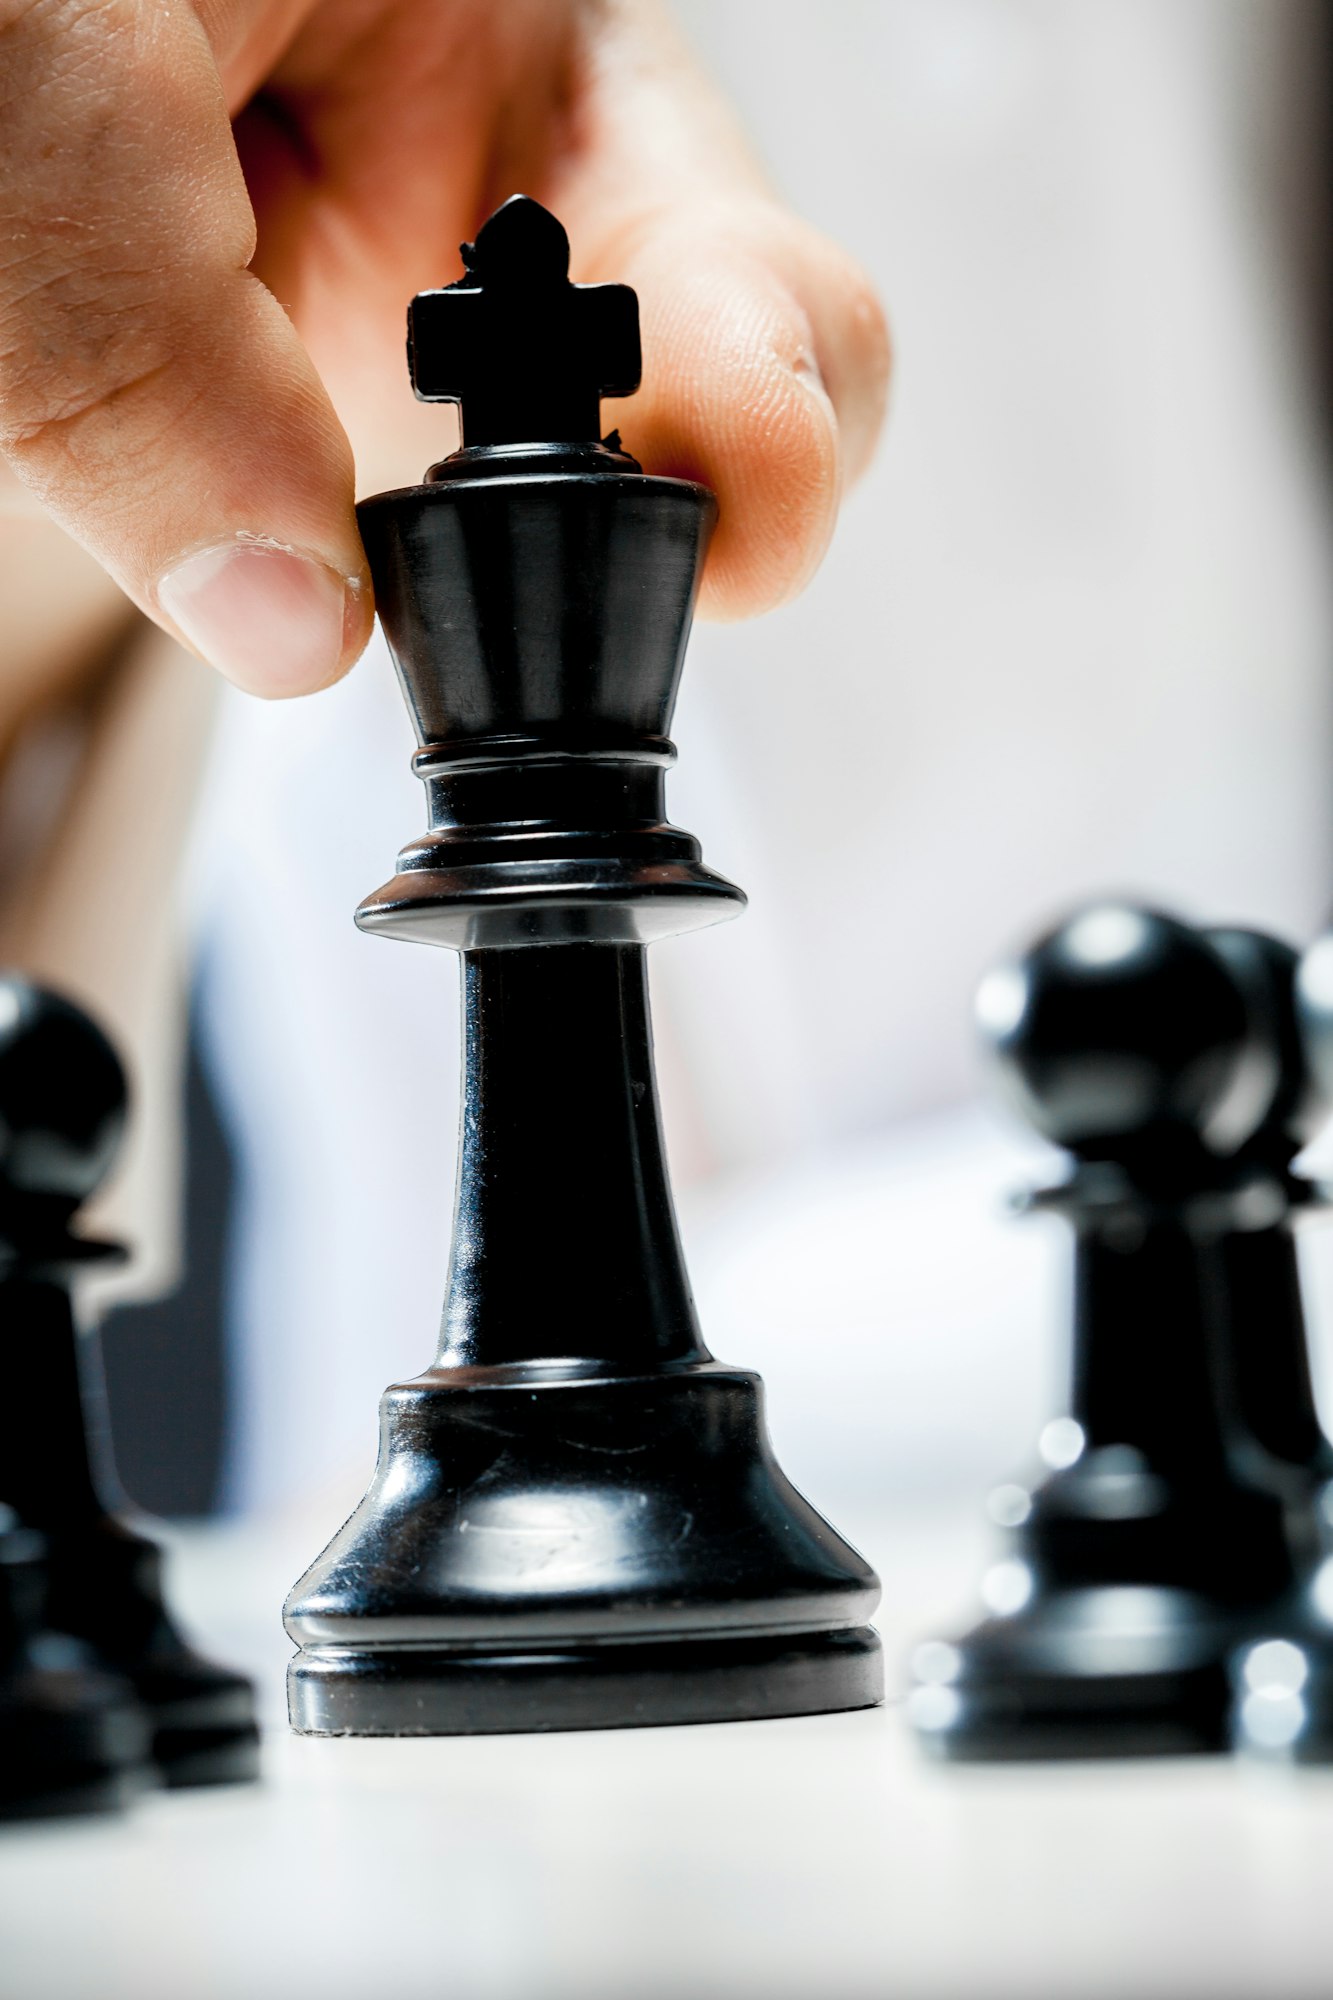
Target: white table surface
[818, 1857]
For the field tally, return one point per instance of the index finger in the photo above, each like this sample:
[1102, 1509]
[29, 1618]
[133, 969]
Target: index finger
[766, 354]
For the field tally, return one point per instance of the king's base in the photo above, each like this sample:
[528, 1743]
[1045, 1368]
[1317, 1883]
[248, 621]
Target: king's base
[635, 1685]
[1102, 1672]
[578, 1553]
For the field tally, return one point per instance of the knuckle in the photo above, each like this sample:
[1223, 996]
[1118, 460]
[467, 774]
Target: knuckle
[73, 342]
[91, 427]
[76, 303]
[54, 50]
[122, 217]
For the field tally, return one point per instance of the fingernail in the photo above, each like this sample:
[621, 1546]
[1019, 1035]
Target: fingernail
[274, 621]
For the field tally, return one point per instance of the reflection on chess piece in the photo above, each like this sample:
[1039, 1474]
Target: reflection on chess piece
[73, 1738]
[62, 1109]
[1155, 1540]
[577, 1520]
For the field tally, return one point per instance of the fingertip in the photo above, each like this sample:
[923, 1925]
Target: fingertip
[358, 622]
[274, 620]
[861, 375]
[777, 479]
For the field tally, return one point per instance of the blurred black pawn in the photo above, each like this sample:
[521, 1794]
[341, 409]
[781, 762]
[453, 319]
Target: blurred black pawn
[1266, 1382]
[1284, 1675]
[73, 1738]
[1148, 1550]
[62, 1111]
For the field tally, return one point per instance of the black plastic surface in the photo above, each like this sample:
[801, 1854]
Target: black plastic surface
[1160, 1538]
[62, 1107]
[577, 1520]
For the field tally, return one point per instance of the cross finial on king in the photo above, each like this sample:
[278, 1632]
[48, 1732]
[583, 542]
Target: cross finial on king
[526, 354]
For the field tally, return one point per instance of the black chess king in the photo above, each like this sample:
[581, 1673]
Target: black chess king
[576, 1520]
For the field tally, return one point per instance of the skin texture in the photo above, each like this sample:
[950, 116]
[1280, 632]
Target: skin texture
[211, 220]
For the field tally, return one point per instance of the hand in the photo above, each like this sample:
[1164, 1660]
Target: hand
[212, 217]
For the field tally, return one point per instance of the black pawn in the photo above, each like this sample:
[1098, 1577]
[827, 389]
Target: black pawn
[1284, 1675]
[1146, 1552]
[577, 1520]
[1265, 1359]
[62, 1112]
[73, 1738]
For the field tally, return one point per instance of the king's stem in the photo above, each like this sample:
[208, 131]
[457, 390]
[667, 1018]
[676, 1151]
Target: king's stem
[565, 1242]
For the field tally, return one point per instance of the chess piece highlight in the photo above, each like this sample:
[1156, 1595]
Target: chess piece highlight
[577, 1520]
[1156, 1540]
[62, 1111]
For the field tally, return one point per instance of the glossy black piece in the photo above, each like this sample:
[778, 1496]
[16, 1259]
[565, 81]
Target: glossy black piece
[538, 618]
[523, 352]
[577, 1520]
[1266, 1359]
[62, 1109]
[1158, 1538]
[1284, 1677]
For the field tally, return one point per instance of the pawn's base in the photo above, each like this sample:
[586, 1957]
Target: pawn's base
[583, 1687]
[209, 1737]
[106, 1587]
[1102, 1672]
[1282, 1680]
[72, 1740]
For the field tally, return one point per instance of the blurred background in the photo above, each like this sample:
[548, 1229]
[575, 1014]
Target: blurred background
[1075, 635]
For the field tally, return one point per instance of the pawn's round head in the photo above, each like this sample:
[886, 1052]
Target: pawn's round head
[1267, 970]
[62, 1097]
[1119, 1025]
